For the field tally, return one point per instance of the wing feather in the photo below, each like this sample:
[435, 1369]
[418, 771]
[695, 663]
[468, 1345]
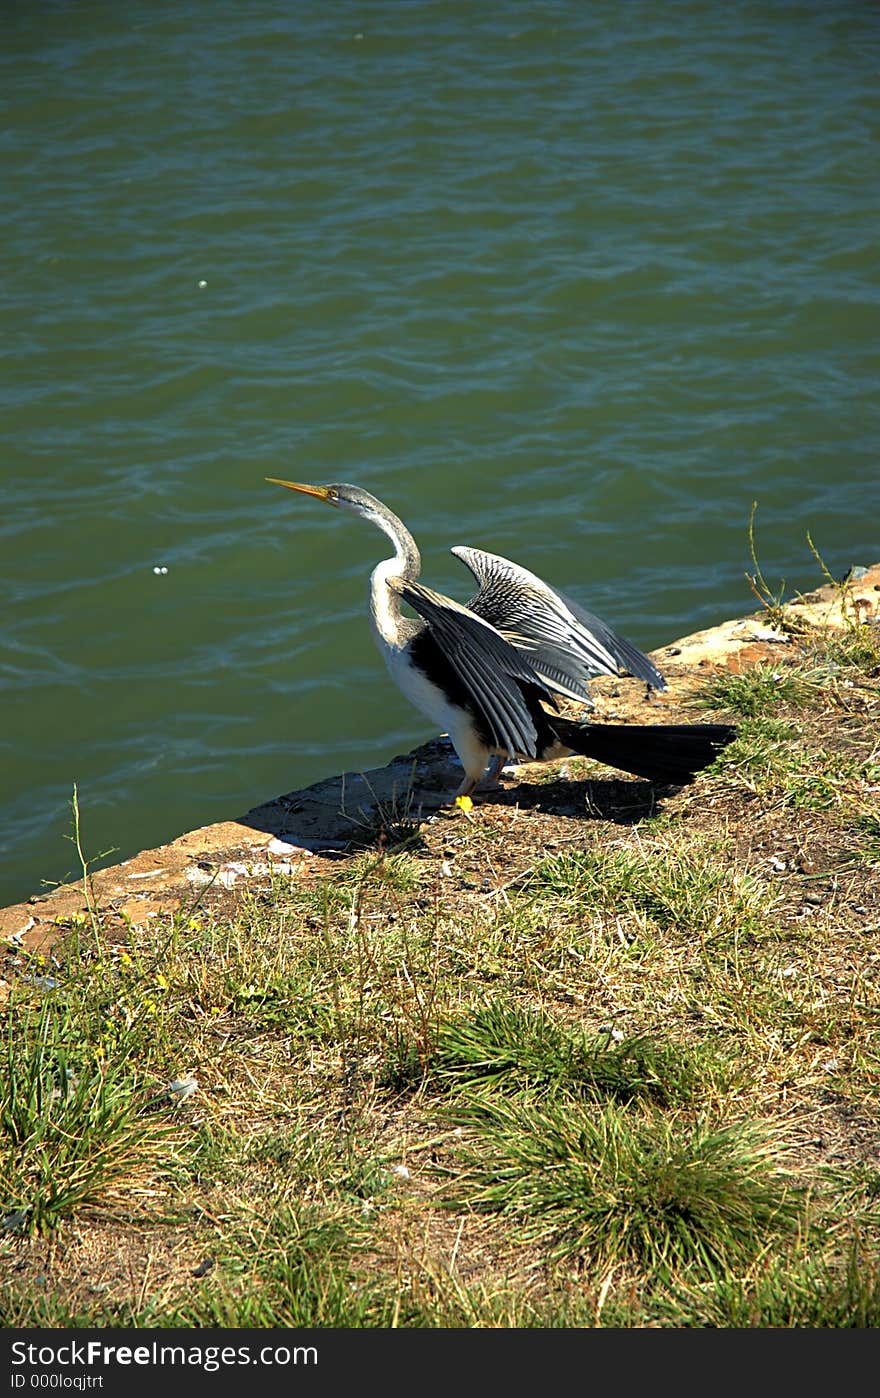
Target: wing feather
[566, 644]
[491, 669]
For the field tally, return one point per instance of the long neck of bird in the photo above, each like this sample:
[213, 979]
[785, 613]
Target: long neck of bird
[385, 612]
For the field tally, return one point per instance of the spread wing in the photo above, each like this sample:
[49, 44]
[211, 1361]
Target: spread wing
[565, 644]
[486, 667]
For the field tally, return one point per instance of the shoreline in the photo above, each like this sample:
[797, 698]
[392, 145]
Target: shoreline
[305, 828]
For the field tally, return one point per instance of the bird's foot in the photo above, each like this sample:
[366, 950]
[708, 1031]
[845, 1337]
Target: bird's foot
[492, 779]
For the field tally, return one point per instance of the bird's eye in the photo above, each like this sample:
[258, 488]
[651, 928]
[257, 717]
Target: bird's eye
[331, 493]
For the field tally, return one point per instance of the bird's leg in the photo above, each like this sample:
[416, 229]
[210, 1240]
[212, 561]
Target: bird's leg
[487, 780]
[492, 779]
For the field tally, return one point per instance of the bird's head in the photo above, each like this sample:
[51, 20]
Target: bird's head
[344, 497]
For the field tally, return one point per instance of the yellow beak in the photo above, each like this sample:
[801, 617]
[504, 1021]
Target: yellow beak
[321, 492]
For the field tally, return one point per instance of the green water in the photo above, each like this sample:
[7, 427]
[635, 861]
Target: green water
[575, 283]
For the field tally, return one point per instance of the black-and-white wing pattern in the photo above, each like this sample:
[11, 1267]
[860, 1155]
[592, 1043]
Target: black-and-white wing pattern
[492, 670]
[566, 644]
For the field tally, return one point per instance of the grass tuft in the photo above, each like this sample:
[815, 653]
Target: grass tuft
[73, 1127]
[617, 1188]
[763, 690]
[513, 1049]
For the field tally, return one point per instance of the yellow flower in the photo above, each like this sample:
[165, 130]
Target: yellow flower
[464, 803]
[161, 980]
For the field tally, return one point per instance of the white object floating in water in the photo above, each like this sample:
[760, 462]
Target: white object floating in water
[160, 570]
[203, 284]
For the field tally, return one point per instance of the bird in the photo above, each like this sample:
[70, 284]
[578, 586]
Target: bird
[490, 673]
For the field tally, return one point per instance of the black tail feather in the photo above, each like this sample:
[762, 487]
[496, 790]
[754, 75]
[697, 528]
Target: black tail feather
[664, 752]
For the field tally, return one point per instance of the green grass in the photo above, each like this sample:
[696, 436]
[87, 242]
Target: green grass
[856, 648]
[806, 1295]
[867, 825]
[503, 1048]
[672, 884]
[764, 690]
[615, 1187]
[293, 1269]
[75, 1127]
[399, 873]
[772, 757]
